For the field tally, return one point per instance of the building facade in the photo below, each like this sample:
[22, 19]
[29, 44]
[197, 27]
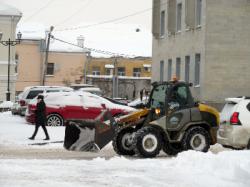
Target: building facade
[120, 77]
[205, 42]
[9, 17]
[64, 67]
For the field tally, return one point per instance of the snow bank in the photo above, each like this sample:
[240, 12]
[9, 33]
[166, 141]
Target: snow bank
[6, 104]
[190, 168]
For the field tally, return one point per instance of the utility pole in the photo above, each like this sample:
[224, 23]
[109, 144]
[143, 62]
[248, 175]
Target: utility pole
[115, 79]
[46, 57]
[86, 66]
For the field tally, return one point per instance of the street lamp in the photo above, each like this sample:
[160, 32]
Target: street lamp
[10, 43]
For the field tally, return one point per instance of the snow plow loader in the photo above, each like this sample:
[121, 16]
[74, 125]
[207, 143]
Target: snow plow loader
[171, 121]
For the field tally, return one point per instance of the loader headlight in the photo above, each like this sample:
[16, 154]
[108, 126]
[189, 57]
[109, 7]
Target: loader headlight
[157, 111]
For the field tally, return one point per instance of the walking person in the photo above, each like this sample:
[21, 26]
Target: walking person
[40, 117]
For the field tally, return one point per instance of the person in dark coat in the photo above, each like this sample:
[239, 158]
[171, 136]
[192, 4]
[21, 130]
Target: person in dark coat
[40, 117]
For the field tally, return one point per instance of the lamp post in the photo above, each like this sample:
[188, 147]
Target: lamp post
[10, 43]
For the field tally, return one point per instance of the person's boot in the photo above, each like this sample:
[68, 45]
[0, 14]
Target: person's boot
[32, 138]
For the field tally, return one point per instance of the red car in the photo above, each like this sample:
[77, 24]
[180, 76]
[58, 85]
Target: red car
[74, 105]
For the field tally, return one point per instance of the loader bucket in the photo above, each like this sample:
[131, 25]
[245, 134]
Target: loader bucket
[89, 135]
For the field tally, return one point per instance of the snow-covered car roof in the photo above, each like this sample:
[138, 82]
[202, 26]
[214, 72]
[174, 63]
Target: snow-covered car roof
[84, 99]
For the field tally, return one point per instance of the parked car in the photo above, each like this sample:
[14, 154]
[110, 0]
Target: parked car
[138, 103]
[16, 108]
[122, 100]
[31, 92]
[93, 90]
[74, 105]
[5, 106]
[234, 130]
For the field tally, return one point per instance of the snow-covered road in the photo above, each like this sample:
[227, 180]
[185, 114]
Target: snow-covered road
[23, 164]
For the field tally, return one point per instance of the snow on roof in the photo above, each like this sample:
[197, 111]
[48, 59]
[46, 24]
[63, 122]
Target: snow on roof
[32, 31]
[7, 10]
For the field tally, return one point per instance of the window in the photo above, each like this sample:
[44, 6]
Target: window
[162, 29]
[96, 71]
[32, 94]
[197, 69]
[169, 69]
[190, 14]
[178, 68]
[137, 72]
[161, 71]
[108, 71]
[198, 12]
[182, 97]
[159, 96]
[179, 16]
[50, 68]
[187, 68]
[121, 71]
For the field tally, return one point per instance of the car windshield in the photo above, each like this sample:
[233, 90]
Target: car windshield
[158, 96]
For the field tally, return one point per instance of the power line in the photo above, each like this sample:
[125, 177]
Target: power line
[85, 5]
[39, 10]
[110, 21]
[95, 50]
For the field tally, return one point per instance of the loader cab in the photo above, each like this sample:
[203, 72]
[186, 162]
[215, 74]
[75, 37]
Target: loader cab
[171, 95]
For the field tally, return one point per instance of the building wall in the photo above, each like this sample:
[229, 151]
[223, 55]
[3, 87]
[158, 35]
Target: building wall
[227, 49]
[8, 28]
[128, 86]
[173, 44]
[223, 40]
[128, 63]
[68, 66]
[29, 66]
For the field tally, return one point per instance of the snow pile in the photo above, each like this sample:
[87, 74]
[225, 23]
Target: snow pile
[190, 168]
[6, 104]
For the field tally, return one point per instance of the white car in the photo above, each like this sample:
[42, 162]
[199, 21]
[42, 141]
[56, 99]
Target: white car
[234, 130]
[31, 92]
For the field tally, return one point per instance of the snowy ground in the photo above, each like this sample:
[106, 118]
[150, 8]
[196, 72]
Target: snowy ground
[24, 164]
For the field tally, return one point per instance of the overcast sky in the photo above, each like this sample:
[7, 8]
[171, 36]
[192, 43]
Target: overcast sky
[115, 37]
[66, 13]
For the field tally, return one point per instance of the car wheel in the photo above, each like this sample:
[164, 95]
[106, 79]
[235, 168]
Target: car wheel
[54, 120]
[147, 142]
[196, 138]
[122, 142]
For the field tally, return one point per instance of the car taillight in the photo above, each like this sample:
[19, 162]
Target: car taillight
[22, 102]
[234, 120]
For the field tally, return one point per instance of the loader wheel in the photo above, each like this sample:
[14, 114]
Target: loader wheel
[122, 142]
[147, 142]
[171, 149]
[196, 138]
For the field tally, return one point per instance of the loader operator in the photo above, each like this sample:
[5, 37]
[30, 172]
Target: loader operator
[178, 98]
